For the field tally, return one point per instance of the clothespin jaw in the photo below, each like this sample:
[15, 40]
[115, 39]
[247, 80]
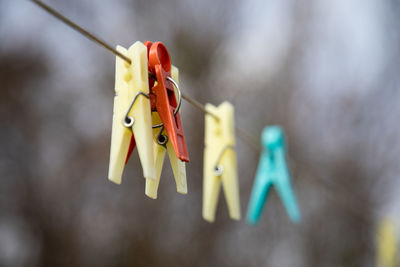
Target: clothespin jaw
[163, 98]
[132, 114]
[220, 164]
[161, 144]
[272, 171]
[386, 244]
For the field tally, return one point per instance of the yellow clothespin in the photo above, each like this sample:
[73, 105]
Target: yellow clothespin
[387, 244]
[161, 145]
[132, 114]
[220, 161]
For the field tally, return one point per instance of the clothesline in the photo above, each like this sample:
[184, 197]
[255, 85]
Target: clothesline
[241, 133]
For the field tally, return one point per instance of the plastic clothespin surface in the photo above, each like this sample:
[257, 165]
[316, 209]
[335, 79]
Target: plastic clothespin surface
[220, 166]
[386, 244]
[163, 99]
[272, 171]
[178, 166]
[131, 80]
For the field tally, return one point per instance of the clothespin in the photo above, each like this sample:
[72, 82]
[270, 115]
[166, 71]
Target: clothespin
[162, 144]
[162, 96]
[132, 114]
[220, 161]
[272, 171]
[387, 244]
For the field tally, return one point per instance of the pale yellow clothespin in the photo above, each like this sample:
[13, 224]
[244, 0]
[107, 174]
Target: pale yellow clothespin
[161, 145]
[387, 244]
[132, 114]
[220, 161]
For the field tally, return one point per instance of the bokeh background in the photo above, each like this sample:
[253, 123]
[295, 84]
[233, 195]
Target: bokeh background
[327, 71]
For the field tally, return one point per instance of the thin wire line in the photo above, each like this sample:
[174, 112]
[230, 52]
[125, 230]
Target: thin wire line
[199, 106]
[245, 136]
[81, 30]
[241, 133]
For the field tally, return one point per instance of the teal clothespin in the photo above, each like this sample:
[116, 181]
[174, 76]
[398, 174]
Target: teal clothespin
[272, 170]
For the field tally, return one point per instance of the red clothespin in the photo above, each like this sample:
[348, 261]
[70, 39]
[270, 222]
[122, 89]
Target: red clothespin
[162, 97]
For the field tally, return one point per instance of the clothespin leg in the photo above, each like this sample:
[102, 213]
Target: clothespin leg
[179, 170]
[211, 185]
[288, 197]
[211, 190]
[258, 197]
[230, 184]
[284, 187]
[151, 184]
[118, 154]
